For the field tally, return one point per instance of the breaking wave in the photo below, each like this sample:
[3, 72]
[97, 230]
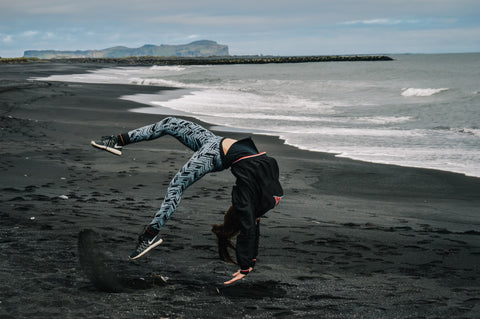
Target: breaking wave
[422, 92]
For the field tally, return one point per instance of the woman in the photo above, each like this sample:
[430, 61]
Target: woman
[257, 188]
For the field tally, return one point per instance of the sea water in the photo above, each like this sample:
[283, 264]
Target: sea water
[417, 111]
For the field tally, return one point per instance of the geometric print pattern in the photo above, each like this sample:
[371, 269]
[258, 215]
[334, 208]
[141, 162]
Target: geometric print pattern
[205, 159]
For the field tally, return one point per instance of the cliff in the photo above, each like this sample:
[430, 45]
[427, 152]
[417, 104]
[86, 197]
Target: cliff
[194, 49]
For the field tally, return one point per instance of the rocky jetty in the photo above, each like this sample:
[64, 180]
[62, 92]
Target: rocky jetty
[149, 60]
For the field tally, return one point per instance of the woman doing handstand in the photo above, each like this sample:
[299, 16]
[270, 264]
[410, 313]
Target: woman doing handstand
[256, 190]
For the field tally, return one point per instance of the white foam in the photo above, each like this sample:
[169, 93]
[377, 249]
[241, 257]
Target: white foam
[452, 160]
[170, 68]
[151, 76]
[470, 131]
[409, 92]
[214, 102]
[155, 82]
[352, 132]
[379, 120]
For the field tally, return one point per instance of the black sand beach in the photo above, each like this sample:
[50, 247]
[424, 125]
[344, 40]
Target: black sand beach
[350, 239]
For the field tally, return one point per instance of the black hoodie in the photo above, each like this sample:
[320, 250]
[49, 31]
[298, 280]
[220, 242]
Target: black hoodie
[256, 191]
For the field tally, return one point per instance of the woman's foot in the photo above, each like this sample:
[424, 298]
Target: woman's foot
[148, 240]
[110, 144]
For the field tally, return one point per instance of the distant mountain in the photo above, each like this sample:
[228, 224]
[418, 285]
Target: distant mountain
[195, 49]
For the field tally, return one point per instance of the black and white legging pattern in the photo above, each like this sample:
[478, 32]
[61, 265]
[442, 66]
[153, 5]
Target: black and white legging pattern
[206, 158]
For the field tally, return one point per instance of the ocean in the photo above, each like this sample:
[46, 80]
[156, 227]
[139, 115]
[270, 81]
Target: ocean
[417, 111]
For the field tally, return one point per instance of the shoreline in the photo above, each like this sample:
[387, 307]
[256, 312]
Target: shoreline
[157, 109]
[350, 238]
[66, 69]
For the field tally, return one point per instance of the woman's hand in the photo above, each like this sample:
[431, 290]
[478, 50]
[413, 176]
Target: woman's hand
[237, 276]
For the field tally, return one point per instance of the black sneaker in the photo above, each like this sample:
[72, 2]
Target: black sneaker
[110, 144]
[146, 242]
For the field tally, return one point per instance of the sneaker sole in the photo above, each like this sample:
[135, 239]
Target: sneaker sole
[148, 249]
[106, 148]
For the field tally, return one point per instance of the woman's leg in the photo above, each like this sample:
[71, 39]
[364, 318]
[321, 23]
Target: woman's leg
[207, 159]
[188, 133]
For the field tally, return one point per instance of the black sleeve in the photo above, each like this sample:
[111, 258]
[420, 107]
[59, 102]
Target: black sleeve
[247, 240]
[247, 246]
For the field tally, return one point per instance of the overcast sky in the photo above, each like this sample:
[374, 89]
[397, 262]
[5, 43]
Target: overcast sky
[269, 27]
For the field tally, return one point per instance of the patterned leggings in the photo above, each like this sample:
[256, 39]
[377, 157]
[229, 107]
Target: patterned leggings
[206, 159]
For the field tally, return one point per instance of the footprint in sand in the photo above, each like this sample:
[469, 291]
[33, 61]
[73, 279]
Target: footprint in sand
[99, 269]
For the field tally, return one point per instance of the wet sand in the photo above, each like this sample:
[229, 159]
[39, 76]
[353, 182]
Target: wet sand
[350, 239]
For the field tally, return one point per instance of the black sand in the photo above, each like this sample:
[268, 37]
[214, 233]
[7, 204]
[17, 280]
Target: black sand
[350, 239]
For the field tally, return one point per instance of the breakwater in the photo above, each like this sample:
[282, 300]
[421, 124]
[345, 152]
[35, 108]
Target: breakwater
[150, 60]
[223, 60]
